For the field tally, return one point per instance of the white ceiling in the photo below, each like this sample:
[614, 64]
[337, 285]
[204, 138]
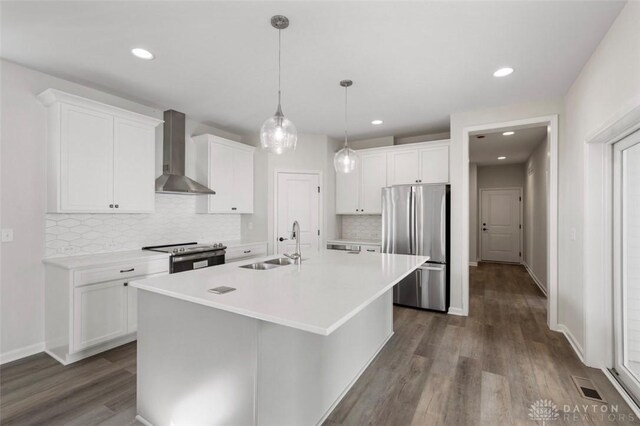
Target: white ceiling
[413, 63]
[517, 147]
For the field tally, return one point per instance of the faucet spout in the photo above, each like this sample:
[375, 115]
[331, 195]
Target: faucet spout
[295, 234]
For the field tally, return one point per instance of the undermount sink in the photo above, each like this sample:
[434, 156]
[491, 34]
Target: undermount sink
[281, 261]
[269, 264]
[261, 266]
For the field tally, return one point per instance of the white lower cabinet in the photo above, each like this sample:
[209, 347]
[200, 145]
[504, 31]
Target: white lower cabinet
[99, 313]
[92, 308]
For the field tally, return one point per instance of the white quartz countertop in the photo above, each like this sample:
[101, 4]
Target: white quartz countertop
[318, 296]
[88, 260]
[362, 242]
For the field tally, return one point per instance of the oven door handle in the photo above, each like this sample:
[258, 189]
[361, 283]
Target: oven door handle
[198, 256]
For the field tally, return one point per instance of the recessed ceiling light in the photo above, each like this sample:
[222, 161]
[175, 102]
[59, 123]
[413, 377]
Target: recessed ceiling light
[141, 53]
[376, 122]
[502, 158]
[508, 133]
[503, 72]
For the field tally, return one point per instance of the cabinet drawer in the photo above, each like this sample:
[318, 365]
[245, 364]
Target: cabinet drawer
[370, 249]
[244, 252]
[119, 271]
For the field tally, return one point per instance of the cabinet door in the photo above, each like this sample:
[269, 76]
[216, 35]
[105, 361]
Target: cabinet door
[221, 178]
[434, 164]
[242, 195]
[134, 166]
[404, 167]
[100, 313]
[348, 192]
[132, 309]
[86, 170]
[373, 178]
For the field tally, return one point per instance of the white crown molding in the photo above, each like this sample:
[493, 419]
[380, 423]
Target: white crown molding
[52, 96]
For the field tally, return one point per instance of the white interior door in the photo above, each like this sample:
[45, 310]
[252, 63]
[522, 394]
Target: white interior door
[500, 226]
[627, 262]
[298, 199]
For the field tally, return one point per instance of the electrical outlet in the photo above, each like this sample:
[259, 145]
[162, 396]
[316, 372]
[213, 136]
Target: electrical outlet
[7, 235]
[68, 250]
[250, 226]
[111, 245]
[572, 234]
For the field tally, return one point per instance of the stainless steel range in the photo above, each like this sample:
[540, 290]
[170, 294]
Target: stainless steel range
[189, 256]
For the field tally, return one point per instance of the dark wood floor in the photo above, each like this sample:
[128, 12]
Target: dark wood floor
[485, 369]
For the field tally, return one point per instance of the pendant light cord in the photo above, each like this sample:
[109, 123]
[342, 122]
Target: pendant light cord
[279, 63]
[345, 118]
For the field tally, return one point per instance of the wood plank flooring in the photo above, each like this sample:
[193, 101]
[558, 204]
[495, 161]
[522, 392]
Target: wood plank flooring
[485, 369]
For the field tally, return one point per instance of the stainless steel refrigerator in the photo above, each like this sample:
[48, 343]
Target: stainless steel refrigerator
[415, 220]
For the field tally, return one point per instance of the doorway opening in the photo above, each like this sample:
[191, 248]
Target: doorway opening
[509, 194]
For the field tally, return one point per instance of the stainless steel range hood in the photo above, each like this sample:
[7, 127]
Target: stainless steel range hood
[173, 180]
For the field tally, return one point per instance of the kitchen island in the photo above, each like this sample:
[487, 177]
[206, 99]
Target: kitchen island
[281, 349]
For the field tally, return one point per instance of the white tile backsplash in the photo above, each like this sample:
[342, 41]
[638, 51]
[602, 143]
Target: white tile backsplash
[362, 226]
[174, 221]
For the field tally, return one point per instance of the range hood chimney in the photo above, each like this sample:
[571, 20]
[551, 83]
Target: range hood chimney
[173, 180]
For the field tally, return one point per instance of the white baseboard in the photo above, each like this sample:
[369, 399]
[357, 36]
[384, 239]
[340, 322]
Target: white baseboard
[572, 341]
[473, 263]
[534, 278]
[457, 311]
[623, 393]
[21, 353]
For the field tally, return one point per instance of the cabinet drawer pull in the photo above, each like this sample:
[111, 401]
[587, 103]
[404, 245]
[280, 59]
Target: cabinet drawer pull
[122, 271]
[117, 206]
[126, 284]
[234, 208]
[247, 251]
[110, 206]
[371, 250]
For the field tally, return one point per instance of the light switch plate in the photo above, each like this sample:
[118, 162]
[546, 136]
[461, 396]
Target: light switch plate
[7, 235]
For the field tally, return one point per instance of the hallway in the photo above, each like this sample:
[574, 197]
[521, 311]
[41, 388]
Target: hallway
[486, 369]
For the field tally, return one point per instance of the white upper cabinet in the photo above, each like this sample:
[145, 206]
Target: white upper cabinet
[359, 192]
[348, 191]
[434, 164]
[425, 164]
[99, 158]
[134, 166]
[373, 177]
[226, 167]
[404, 167]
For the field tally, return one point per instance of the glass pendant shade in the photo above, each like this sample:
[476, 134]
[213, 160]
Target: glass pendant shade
[345, 160]
[278, 134]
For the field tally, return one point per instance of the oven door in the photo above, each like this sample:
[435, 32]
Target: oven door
[189, 262]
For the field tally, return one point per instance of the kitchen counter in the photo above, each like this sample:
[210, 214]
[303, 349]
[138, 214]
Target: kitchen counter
[357, 241]
[89, 260]
[318, 296]
[282, 349]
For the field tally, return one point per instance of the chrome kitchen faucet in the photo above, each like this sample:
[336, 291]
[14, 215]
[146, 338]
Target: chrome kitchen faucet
[295, 234]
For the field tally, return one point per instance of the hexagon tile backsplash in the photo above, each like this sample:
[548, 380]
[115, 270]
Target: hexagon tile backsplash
[174, 221]
[367, 227]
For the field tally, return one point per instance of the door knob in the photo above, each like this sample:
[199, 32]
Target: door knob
[484, 229]
[282, 239]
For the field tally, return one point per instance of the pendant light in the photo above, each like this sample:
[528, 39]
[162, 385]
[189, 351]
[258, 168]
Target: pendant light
[278, 134]
[345, 159]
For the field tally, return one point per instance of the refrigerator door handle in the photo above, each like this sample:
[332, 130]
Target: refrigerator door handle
[412, 222]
